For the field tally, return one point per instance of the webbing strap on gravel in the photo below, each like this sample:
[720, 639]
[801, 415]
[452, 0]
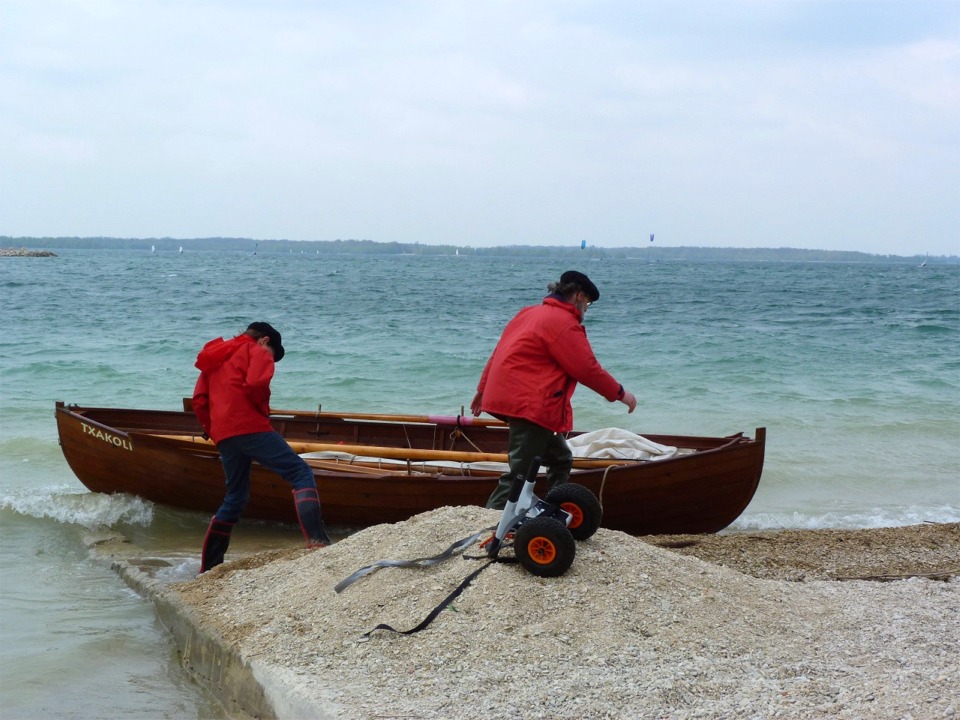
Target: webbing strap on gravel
[438, 609]
[417, 562]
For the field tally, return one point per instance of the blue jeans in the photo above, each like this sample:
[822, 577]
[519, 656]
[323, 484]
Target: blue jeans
[270, 450]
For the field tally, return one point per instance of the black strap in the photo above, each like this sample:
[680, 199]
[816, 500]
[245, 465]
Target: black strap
[417, 562]
[438, 609]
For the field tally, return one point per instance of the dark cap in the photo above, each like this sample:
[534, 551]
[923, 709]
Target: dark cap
[266, 329]
[578, 278]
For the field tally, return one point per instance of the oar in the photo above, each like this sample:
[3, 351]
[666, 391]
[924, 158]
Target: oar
[406, 453]
[463, 420]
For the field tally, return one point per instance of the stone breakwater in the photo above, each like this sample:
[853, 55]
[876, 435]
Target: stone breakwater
[24, 252]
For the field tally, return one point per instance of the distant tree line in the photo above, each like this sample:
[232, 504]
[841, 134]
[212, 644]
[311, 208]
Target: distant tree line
[649, 253]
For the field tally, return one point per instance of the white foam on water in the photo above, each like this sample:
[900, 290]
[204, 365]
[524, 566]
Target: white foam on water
[870, 518]
[89, 510]
[179, 571]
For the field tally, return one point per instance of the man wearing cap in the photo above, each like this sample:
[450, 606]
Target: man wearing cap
[531, 375]
[232, 402]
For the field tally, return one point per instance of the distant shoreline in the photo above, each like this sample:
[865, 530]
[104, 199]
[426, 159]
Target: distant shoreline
[649, 253]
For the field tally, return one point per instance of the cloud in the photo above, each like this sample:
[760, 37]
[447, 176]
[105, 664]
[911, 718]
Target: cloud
[814, 124]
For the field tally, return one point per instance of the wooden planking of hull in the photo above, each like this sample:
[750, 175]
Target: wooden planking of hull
[160, 456]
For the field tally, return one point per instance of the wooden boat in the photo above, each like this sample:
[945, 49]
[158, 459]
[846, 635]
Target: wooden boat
[391, 467]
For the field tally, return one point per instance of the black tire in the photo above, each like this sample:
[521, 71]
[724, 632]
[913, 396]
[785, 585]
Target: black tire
[545, 547]
[582, 504]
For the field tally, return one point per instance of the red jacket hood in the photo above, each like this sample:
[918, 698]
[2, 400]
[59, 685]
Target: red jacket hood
[216, 352]
[232, 394]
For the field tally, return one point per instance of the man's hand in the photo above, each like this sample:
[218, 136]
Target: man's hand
[630, 401]
[476, 405]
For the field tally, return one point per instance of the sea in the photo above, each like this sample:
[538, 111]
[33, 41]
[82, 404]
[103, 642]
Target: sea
[854, 369]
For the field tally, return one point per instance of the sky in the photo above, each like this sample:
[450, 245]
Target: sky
[713, 123]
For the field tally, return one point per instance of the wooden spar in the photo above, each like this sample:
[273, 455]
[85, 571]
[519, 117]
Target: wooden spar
[394, 453]
[462, 420]
[380, 467]
[348, 467]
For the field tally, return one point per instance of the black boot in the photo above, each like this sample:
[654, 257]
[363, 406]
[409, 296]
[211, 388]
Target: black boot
[215, 544]
[308, 512]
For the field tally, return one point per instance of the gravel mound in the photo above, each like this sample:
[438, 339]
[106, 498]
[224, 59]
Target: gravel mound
[633, 630]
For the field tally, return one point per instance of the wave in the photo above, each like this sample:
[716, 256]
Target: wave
[92, 511]
[861, 519]
[930, 328]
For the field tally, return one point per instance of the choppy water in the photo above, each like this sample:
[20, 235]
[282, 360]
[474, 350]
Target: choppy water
[854, 369]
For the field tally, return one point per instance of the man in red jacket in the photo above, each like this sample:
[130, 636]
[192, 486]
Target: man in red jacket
[232, 402]
[530, 377]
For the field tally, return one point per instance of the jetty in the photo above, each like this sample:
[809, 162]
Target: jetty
[25, 252]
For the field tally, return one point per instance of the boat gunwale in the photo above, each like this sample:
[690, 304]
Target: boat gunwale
[624, 470]
[724, 442]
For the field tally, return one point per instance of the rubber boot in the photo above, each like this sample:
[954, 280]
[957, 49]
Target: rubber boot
[308, 512]
[215, 544]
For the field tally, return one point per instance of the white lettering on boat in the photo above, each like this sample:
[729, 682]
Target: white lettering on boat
[114, 440]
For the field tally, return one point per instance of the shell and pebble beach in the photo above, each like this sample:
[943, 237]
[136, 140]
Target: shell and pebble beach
[781, 624]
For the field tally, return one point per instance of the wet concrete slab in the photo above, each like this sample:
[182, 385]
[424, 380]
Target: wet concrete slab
[211, 661]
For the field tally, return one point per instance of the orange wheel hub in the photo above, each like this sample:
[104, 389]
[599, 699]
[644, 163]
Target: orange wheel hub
[576, 514]
[542, 550]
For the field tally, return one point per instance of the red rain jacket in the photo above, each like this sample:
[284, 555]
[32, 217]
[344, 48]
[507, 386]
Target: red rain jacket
[541, 356]
[232, 396]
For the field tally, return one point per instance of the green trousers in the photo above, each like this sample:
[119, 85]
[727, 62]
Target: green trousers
[527, 441]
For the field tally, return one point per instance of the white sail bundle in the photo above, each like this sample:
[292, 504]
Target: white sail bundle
[618, 444]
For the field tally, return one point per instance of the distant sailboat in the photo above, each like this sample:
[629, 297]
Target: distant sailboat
[153, 248]
[924, 263]
[181, 249]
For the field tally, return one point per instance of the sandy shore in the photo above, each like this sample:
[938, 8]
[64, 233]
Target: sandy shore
[746, 626]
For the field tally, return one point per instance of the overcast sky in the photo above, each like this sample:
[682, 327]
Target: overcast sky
[763, 123]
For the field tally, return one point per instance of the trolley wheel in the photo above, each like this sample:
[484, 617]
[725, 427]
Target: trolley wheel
[544, 546]
[582, 505]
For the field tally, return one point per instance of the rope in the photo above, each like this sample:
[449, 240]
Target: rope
[602, 483]
[457, 433]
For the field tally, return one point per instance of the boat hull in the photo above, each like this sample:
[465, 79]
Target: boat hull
[159, 456]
